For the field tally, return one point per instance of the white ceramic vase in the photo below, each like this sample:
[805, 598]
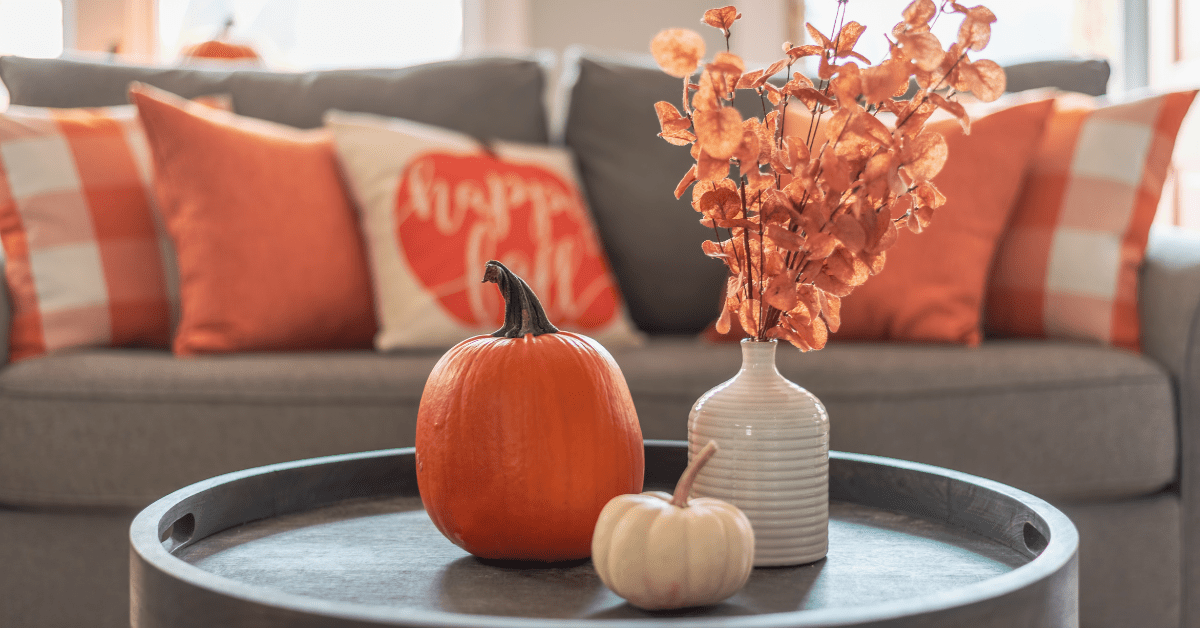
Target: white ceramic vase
[773, 461]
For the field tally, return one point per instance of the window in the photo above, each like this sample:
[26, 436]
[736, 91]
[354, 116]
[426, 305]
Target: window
[313, 34]
[1025, 30]
[31, 28]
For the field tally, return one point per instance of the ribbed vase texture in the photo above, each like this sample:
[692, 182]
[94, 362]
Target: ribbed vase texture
[773, 461]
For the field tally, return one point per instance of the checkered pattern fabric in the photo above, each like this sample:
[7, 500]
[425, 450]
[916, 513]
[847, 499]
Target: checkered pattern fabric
[1067, 267]
[87, 261]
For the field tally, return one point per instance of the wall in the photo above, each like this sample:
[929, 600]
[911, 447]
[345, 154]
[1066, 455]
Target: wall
[628, 25]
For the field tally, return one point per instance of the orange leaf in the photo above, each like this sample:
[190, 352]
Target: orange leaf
[885, 234]
[817, 37]
[913, 116]
[925, 155]
[848, 37]
[748, 315]
[750, 80]
[976, 29]
[719, 131]
[780, 292]
[764, 139]
[678, 138]
[706, 96]
[678, 51]
[926, 194]
[831, 309]
[747, 152]
[820, 245]
[876, 260]
[722, 18]
[840, 266]
[774, 69]
[669, 117]
[811, 97]
[773, 93]
[984, 78]
[781, 162]
[832, 285]
[919, 12]
[881, 82]
[711, 168]
[835, 172]
[785, 239]
[721, 203]
[807, 50]
[924, 48]
[945, 71]
[704, 187]
[954, 108]
[847, 85]
[919, 219]
[727, 62]
[716, 250]
[725, 322]
[687, 180]
[797, 151]
[849, 230]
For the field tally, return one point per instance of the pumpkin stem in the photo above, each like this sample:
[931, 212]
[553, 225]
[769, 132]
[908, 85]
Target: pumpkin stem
[523, 313]
[684, 487]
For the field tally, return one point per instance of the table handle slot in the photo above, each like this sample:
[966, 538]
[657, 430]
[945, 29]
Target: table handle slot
[1035, 540]
[178, 533]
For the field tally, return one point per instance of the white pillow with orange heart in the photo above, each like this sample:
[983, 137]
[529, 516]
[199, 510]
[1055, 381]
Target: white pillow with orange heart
[436, 205]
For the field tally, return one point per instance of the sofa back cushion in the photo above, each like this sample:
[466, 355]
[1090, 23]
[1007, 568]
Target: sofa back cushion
[652, 239]
[484, 97]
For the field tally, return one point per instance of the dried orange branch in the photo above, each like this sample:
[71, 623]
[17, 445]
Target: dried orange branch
[821, 208]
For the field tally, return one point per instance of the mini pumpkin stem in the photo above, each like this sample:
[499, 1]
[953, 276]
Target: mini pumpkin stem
[684, 487]
[523, 313]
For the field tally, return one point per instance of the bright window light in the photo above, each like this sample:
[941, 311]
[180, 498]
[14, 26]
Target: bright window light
[1024, 30]
[31, 28]
[314, 34]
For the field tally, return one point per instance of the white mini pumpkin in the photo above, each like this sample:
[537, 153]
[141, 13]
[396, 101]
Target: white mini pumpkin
[660, 551]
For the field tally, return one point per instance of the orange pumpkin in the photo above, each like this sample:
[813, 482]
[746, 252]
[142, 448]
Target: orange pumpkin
[221, 48]
[216, 49]
[524, 435]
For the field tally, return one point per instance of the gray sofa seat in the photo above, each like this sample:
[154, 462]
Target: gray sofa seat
[1082, 422]
[1063, 420]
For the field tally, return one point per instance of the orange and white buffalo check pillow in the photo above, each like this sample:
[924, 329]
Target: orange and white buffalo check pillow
[1067, 266]
[87, 260]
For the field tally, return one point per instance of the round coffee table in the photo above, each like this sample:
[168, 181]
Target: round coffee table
[343, 541]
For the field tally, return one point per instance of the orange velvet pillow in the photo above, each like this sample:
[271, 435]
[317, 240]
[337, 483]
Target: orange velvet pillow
[932, 286]
[270, 255]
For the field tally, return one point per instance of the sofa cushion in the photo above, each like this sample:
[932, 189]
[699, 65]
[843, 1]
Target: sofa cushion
[448, 93]
[1061, 420]
[124, 427]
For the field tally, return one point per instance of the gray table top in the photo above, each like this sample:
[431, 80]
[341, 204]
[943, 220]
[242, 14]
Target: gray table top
[344, 541]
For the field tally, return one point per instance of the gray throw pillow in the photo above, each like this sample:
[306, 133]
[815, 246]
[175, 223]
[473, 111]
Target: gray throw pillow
[652, 240]
[488, 97]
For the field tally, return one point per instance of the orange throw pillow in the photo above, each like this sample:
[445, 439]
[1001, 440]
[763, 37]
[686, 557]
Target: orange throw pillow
[270, 256]
[1068, 265]
[933, 283]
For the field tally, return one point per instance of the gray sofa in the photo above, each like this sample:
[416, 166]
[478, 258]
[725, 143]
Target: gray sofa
[87, 438]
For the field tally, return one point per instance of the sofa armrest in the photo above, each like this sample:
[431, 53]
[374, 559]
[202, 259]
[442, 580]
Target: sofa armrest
[1169, 300]
[1169, 305]
[5, 312]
